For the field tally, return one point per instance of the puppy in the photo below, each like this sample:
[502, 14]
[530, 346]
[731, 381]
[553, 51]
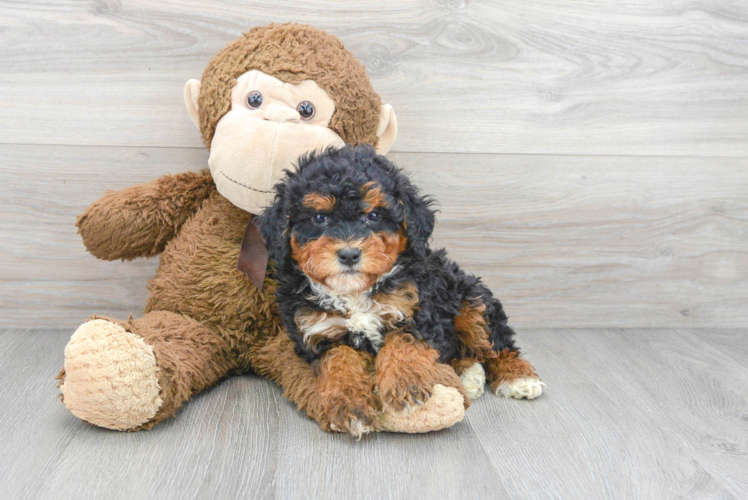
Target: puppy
[359, 289]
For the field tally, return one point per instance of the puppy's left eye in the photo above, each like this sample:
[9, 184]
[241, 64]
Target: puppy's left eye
[320, 219]
[373, 216]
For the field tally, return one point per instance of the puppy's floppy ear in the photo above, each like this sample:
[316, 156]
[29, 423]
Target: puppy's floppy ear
[273, 224]
[418, 215]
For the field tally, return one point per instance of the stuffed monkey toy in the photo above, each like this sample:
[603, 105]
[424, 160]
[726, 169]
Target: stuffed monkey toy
[274, 94]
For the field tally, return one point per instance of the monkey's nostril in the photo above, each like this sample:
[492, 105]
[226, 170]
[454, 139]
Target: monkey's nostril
[349, 256]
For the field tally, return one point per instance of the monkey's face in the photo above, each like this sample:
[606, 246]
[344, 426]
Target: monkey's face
[347, 237]
[269, 126]
[275, 93]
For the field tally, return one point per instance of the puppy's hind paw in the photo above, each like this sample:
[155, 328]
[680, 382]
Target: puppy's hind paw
[474, 380]
[521, 388]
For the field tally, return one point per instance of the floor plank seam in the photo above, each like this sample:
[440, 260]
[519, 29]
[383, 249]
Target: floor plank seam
[401, 152]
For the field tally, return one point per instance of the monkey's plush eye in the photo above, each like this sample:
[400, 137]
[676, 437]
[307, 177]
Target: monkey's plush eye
[306, 110]
[373, 216]
[254, 99]
[320, 219]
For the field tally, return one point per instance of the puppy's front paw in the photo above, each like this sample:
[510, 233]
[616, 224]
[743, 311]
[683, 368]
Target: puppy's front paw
[346, 391]
[406, 372]
[353, 415]
[404, 395]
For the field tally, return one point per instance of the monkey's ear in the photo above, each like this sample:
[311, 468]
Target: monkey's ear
[191, 93]
[387, 129]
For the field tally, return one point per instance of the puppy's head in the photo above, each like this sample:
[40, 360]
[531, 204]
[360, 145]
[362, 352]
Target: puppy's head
[344, 217]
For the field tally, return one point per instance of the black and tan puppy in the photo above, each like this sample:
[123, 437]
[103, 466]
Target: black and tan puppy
[359, 288]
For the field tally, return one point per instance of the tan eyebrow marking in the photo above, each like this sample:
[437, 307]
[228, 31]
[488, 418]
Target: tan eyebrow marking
[320, 202]
[373, 196]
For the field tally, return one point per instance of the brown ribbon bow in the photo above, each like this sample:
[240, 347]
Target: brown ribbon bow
[253, 257]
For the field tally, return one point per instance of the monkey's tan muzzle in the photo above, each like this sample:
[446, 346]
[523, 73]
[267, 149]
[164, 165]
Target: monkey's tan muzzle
[249, 154]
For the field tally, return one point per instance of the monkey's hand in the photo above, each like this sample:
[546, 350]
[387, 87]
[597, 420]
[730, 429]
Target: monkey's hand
[140, 220]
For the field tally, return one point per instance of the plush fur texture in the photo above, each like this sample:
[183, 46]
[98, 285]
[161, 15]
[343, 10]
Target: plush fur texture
[513, 377]
[407, 369]
[294, 53]
[151, 212]
[472, 374]
[347, 390]
[349, 236]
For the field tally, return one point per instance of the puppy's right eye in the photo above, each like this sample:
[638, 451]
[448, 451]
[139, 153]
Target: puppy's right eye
[319, 219]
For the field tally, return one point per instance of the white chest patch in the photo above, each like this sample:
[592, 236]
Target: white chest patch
[362, 314]
[367, 323]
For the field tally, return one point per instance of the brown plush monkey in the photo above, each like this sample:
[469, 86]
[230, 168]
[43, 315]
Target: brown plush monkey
[273, 94]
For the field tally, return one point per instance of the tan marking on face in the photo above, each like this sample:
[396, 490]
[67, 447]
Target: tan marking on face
[319, 202]
[318, 258]
[348, 282]
[379, 253]
[372, 196]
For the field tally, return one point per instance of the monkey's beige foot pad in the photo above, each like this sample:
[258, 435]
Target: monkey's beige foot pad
[110, 376]
[443, 409]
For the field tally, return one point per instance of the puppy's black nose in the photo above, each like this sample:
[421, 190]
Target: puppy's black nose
[349, 256]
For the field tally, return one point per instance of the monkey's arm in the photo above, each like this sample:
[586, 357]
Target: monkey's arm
[139, 221]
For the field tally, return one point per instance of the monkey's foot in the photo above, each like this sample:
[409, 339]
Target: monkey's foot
[110, 376]
[444, 408]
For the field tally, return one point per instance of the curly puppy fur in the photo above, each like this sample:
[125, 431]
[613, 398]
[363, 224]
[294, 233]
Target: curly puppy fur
[348, 233]
[346, 390]
[406, 368]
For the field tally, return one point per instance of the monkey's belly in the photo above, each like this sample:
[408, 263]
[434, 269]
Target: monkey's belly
[198, 277]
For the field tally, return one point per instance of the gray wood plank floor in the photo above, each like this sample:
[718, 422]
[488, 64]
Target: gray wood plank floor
[628, 414]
